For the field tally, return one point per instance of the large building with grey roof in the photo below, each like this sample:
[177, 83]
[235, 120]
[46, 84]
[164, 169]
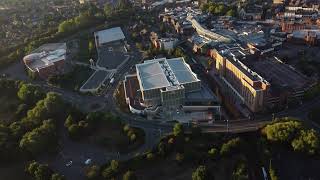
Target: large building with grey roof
[48, 59]
[166, 81]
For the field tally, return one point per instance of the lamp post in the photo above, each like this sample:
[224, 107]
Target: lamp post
[227, 126]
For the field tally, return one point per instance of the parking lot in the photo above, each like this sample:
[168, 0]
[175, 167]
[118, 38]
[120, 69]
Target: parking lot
[112, 56]
[96, 80]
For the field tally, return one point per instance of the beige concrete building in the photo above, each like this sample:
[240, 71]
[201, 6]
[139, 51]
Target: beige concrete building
[245, 85]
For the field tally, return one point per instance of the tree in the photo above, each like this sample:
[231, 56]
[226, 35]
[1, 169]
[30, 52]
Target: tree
[43, 172]
[39, 139]
[21, 111]
[93, 172]
[29, 94]
[133, 137]
[200, 173]
[162, 148]
[114, 164]
[57, 176]
[213, 153]
[307, 141]
[150, 156]
[112, 170]
[39, 171]
[231, 146]
[282, 131]
[179, 157]
[108, 173]
[273, 173]
[108, 10]
[18, 129]
[129, 175]
[74, 131]
[178, 129]
[240, 172]
[126, 128]
[231, 12]
[54, 104]
[66, 26]
[69, 121]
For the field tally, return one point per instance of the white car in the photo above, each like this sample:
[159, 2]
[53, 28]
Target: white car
[88, 161]
[69, 163]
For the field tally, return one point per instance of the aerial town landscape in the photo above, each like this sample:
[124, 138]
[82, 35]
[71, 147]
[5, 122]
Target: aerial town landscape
[160, 89]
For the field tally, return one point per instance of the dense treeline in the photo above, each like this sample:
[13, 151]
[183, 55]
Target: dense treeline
[294, 134]
[32, 130]
[219, 9]
[42, 171]
[213, 156]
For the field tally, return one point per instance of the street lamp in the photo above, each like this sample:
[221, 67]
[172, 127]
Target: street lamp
[227, 125]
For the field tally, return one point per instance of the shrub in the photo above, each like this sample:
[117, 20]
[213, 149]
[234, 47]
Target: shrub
[129, 175]
[133, 137]
[93, 172]
[230, 146]
[200, 173]
[179, 157]
[213, 153]
[126, 128]
[150, 156]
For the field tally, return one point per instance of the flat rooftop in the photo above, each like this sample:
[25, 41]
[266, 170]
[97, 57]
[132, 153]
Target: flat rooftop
[159, 73]
[280, 74]
[109, 35]
[112, 56]
[133, 92]
[238, 57]
[46, 55]
[204, 95]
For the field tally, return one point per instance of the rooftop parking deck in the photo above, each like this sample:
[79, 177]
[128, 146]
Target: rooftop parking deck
[280, 74]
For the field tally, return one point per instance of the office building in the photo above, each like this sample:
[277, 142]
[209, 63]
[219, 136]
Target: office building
[165, 81]
[243, 84]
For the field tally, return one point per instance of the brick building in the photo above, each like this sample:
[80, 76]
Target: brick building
[47, 60]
